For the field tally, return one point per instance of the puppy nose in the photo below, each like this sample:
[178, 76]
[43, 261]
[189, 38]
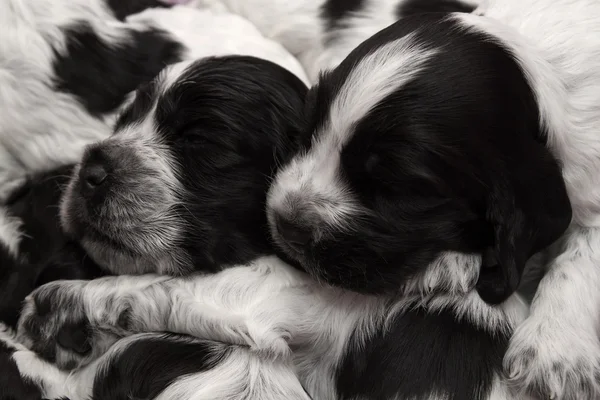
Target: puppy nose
[93, 175]
[295, 235]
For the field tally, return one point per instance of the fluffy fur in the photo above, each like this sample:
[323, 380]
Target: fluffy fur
[322, 33]
[185, 153]
[332, 339]
[75, 62]
[483, 141]
[270, 308]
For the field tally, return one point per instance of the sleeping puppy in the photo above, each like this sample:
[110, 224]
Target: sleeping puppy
[178, 185]
[321, 33]
[427, 336]
[199, 157]
[76, 62]
[473, 134]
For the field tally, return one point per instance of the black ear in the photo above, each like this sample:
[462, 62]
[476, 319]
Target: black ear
[528, 211]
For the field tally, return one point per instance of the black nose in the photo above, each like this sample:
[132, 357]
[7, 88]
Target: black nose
[93, 175]
[295, 235]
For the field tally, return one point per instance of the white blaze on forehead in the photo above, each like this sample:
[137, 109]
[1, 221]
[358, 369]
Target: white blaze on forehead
[312, 179]
[374, 78]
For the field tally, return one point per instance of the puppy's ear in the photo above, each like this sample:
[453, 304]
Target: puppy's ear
[528, 211]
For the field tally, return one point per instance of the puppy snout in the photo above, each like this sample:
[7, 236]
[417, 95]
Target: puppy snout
[296, 235]
[93, 175]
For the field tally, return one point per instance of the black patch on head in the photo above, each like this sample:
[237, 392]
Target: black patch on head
[100, 73]
[335, 11]
[410, 7]
[229, 131]
[150, 365]
[454, 160]
[12, 385]
[124, 8]
[45, 253]
[421, 355]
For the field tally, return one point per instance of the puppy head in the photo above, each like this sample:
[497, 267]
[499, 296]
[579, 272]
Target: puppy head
[426, 141]
[182, 182]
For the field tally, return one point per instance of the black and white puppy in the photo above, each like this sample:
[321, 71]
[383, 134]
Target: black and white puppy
[176, 158]
[68, 66]
[321, 33]
[463, 134]
[435, 338]
[181, 183]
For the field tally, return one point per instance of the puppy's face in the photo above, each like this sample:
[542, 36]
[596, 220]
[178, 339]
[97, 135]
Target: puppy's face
[425, 140]
[181, 183]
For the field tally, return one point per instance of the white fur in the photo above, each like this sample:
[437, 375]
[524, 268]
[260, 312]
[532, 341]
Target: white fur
[267, 307]
[10, 234]
[298, 25]
[558, 348]
[241, 375]
[217, 33]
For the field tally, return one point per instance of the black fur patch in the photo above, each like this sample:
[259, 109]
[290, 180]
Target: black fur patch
[150, 365]
[100, 74]
[45, 253]
[124, 8]
[12, 385]
[423, 354]
[410, 7]
[335, 11]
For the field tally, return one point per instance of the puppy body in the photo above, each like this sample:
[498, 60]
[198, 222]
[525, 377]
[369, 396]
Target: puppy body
[556, 351]
[436, 162]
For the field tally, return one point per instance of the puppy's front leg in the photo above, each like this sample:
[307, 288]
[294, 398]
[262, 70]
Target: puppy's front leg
[555, 353]
[74, 322]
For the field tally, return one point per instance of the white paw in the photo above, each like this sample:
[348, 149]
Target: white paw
[554, 361]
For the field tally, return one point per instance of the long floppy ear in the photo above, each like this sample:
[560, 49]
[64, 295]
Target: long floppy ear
[528, 211]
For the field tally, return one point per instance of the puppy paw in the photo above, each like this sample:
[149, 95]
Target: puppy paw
[551, 362]
[54, 324]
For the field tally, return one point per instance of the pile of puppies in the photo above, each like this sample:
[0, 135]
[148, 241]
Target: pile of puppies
[188, 214]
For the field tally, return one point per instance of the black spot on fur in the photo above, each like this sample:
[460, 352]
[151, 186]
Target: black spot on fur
[149, 365]
[100, 73]
[124, 8]
[410, 7]
[421, 355]
[335, 11]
